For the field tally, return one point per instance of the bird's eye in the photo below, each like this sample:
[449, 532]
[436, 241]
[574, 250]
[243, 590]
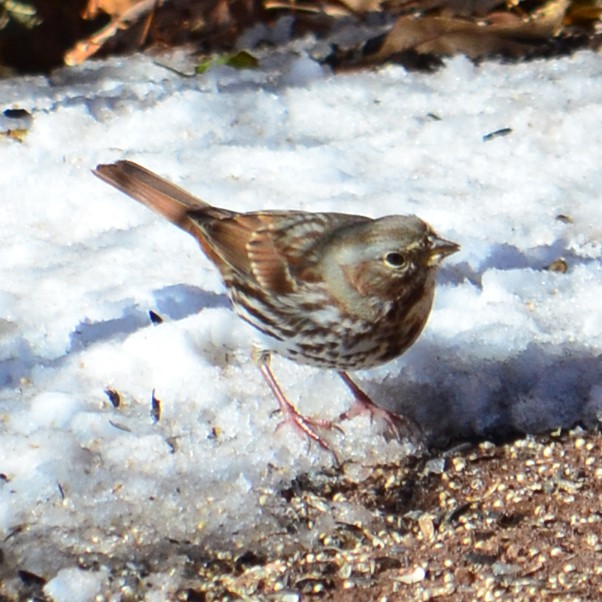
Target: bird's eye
[395, 260]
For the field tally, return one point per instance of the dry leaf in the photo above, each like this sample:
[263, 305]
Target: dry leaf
[508, 36]
[115, 8]
[444, 36]
[543, 23]
[331, 9]
[584, 13]
[362, 6]
[132, 10]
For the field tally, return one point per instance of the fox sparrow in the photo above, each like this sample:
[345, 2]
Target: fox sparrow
[327, 289]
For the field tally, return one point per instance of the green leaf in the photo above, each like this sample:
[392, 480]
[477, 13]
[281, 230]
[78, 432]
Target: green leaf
[237, 60]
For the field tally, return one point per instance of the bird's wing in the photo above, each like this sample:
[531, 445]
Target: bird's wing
[276, 249]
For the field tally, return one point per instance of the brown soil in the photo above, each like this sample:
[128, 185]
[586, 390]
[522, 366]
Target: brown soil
[519, 521]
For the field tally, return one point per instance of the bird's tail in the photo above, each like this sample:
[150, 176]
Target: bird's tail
[148, 188]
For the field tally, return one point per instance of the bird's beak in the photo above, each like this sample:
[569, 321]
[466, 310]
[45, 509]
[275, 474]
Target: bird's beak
[440, 249]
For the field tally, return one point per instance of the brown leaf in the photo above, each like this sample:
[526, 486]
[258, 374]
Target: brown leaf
[362, 6]
[132, 9]
[502, 35]
[444, 36]
[115, 8]
[331, 9]
[584, 13]
[542, 24]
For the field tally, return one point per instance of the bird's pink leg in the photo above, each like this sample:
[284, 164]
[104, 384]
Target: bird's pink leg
[291, 415]
[363, 404]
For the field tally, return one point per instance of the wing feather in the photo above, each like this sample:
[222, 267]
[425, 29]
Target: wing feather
[276, 249]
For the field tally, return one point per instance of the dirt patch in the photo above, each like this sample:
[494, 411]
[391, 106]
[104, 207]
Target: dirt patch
[520, 521]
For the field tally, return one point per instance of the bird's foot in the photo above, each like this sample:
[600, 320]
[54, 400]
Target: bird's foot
[397, 424]
[302, 424]
[305, 425]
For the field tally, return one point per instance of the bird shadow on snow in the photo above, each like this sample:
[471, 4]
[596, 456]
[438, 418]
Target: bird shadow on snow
[536, 390]
[174, 302]
[17, 368]
[505, 257]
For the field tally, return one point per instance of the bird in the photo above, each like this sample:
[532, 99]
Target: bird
[331, 290]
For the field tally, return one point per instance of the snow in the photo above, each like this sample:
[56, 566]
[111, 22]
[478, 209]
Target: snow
[509, 345]
[75, 585]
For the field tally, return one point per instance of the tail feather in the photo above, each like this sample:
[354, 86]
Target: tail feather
[158, 194]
